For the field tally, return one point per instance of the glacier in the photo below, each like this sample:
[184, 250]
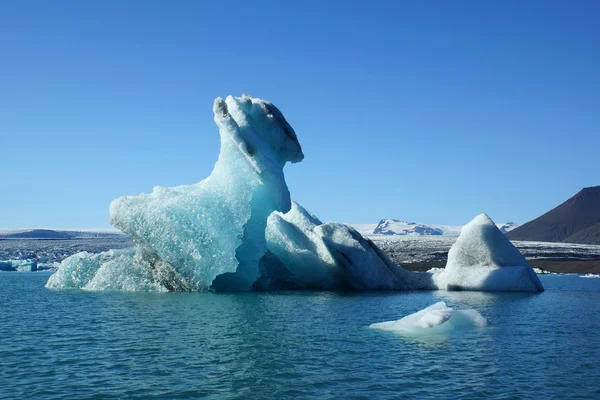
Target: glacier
[238, 230]
[484, 259]
[437, 318]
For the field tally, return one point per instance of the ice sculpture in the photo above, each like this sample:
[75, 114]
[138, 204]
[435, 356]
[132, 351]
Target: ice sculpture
[304, 253]
[484, 259]
[210, 233]
[437, 318]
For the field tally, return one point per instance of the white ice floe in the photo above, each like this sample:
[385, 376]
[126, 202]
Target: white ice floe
[590, 276]
[436, 318]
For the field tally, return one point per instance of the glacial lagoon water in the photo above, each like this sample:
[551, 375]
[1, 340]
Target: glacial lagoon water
[73, 344]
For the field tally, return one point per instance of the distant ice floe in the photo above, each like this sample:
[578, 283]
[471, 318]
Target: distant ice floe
[590, 276]
[26, 266]
[541, 271]
[19, 265]
[437, 318]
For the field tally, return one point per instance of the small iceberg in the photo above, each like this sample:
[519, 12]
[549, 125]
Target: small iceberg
[437, 318]
[19, 265]
[590, 276]
[484, 259]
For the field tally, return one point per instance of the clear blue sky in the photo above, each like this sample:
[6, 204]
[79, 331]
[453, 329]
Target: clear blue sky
[431, 111]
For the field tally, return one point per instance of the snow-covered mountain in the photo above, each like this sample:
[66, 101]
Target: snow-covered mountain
[507, 226]
[403, 228]
[395, 227]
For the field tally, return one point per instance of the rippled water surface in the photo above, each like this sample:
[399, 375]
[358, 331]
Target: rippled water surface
[285, 345]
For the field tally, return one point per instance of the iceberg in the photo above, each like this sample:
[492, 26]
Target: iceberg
[437, 318]
[19, 265]
[209, 234]
[484, 259]
[304, 253]
[238, 230]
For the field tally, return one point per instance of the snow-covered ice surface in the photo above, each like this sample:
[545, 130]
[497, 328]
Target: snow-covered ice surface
[415, 249]
[436, 319]
[49, 252]
[558, 251]
[484, 259]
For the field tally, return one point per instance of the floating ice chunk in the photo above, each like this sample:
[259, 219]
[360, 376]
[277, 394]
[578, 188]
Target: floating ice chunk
[209, 234]
[590, 276]
[484, 259]
[19, 265]
[436, 318]
[304, 253]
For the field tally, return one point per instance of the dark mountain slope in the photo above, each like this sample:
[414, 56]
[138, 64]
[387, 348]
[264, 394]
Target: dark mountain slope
[589, 235]
[577, 220]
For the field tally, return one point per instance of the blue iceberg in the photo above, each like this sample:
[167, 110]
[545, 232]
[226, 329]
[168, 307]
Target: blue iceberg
[210, 234]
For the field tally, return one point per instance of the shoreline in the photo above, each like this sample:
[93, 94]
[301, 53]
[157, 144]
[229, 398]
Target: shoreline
[558, 266]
